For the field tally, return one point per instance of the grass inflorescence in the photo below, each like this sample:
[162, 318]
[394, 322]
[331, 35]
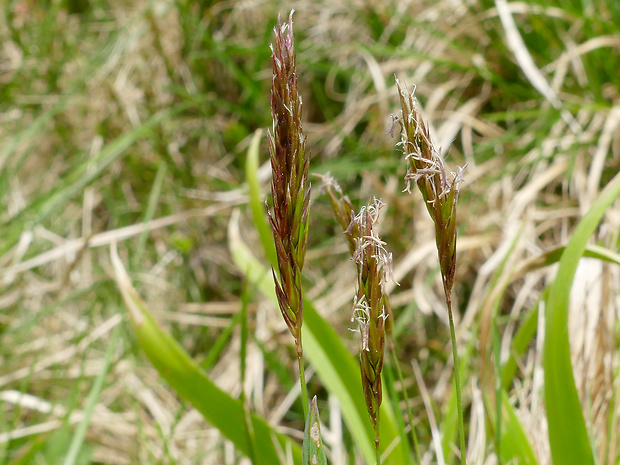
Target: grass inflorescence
[440, 194]
[290, 188]
[124, 131]
[370, 304]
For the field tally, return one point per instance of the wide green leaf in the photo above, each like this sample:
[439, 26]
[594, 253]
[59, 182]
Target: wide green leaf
[568, 435]
[192, 383]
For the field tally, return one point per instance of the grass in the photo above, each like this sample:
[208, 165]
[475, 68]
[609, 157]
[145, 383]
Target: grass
[129, 126]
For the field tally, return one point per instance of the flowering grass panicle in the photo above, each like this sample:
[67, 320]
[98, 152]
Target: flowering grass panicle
[426, 169]
[289, 185]
[290, 188]
[370, 305]
[369, 308]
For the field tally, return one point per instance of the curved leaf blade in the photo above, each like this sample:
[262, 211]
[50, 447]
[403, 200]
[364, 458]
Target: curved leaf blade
[192, 383]
[568, 435]
[257, 201]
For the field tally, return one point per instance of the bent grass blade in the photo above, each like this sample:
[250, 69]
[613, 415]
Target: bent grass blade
[192, 383]
[568, 435]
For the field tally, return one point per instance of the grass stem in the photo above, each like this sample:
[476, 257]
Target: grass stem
[377, 439]
[457, 381]
[302, 381]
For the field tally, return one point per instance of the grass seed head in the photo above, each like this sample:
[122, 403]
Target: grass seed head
[370, 305]
[290, 188]
[440, 191]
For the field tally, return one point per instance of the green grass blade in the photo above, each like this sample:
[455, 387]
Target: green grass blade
[257, 201]
[220, 343]
[30, 133]
[192, 383]
[390, 388]
[497, 382]
[338, 370]
[516, 447]
[568, 436]
[313, 452]
[151, 206]
[529, 326]
[554, 255]
[93, 397]
[520, 343]
[245, 300]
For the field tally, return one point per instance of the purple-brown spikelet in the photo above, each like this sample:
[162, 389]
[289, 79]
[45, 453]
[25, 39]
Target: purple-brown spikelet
[426, 169]
[289, 185]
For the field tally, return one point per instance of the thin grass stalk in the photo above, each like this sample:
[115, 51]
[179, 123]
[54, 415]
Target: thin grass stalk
[290, 188]
[302, 382]
[426, 169]
[457, 382]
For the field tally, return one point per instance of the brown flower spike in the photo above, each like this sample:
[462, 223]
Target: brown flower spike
[440, 194]
[289, 184]
[426, 169]
[370, 306]
[369, 309]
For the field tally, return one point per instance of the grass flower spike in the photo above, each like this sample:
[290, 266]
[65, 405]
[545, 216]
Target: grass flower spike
[426, 169]
[289, 185]
[370, 304]
[373, 263]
